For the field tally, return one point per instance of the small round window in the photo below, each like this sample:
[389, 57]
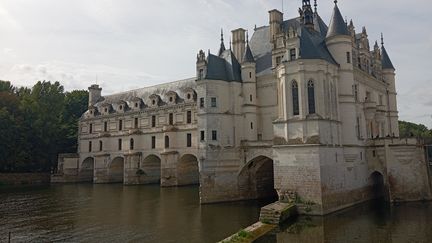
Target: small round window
[121, 107]
[106, 109]
[154, 102]
[171, 99]
[189, 96]
[91, 112]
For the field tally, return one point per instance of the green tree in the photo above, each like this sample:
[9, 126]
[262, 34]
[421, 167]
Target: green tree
[409, 129]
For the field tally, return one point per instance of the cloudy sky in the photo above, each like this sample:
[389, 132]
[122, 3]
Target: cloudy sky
[126, 44]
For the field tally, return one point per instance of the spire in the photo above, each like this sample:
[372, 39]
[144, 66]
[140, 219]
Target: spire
[248, 56]
[308, 14]
[222, 46]
[385, 59]
[337, 24]
[315, 6]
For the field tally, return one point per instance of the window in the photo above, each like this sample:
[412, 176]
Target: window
[201, 102]
[121, 107]
[278, 60]
[348, 54]
[380, 100]
[171, 99]
[189, 96]
[356, 92]
[368, 96]
[167, 143]
[201, 74]
[120, 125]
[292, 54]
[131, 144]
[154, 102]
[106, 110]
[136, 105]
[91, 128]
[295, 97]
[250, 75]
[90, 146]
[311, 97]
[153, 142]
[136, 122]
[214, 135]
[213, 102]
[105, 126]
[250, 98]
[358, 127]
[189, 117]
[251, 125]
[100, 146]
[202, 136]
[171, 118]
[119, 144]
[153, 121]
[189, 140]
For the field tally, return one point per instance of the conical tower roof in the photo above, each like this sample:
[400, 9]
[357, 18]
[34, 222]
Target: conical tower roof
[337, 24]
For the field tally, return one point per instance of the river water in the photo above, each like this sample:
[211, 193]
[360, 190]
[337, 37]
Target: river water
[114, 213]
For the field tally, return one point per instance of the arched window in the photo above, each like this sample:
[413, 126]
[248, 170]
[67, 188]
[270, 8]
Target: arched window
[311, 97]
[131, 144]
[295, 98]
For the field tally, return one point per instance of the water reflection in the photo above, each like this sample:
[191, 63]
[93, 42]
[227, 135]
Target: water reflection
[371, 222]
[101, 213]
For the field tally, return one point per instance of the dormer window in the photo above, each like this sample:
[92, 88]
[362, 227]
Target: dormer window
[154, 100]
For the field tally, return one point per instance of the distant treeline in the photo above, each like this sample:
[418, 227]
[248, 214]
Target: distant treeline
[409, 129]
[37, 124]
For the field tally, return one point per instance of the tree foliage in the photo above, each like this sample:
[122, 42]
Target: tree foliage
[409, 129]
[37, 124]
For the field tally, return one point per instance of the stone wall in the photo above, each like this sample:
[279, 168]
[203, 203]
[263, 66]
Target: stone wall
[24, 178]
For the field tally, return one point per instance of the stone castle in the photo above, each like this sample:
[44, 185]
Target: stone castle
[303, 110]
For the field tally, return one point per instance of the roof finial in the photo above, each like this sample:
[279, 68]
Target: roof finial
[382, 39]
[230, 43]
[316, 6]
[222, 39]
[247, 37]
[335, 1]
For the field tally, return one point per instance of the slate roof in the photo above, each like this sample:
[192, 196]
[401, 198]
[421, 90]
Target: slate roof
[248, 56]
[385, 60]
[226, 67]
[337, 24]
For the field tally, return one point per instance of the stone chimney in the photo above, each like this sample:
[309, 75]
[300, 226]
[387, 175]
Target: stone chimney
[276, 19]
[239, 43]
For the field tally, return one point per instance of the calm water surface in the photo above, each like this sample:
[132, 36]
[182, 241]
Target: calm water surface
[370, 222]
[113, 213]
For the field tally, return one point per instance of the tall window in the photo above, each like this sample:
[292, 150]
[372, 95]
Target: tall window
[120, 125]
[189, 117]
[153, 142]
[358, 127]
[119, 144]
[153, 121]
[213, 102]
[295, 97]
[292, 54]
[90, 146]
[100, 146]
[214, 135]
[251, 125]
[202, 135]
[356, 92]
[167, 142]
[131, 144]
[201, 102]
[311, 97]
[348, 54]
[105, 126]
[171, 118]
[189, 140]
[91, 128]
[201, 74]
[136, 122]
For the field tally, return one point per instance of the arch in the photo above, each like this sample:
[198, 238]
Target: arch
[295, 98]
[378, 188]
[151, 169]
[311, 97]
[86, 172]
[188, 170]
[116, 170]
[256, 179]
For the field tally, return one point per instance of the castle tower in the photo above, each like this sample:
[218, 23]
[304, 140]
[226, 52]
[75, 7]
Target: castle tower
[248, 70]
[389, 78]
[339, 43]
[94, 94]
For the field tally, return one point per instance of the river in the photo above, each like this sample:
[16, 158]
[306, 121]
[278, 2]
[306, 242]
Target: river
[114, 213]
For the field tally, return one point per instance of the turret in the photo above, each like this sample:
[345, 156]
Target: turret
[248, 70]
[238, 43]
[388, 72]
[201, 65]
[276, 19]
[94, 94]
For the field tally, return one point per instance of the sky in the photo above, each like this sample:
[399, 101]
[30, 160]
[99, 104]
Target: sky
[128, 44]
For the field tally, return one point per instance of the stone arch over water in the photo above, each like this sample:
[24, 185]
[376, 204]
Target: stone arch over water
[188, 170]
[378, 189]
[256, 179]
[151, 169]
[86, 171]
[116, 170]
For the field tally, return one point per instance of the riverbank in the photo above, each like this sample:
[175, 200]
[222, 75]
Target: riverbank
[15, 179]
